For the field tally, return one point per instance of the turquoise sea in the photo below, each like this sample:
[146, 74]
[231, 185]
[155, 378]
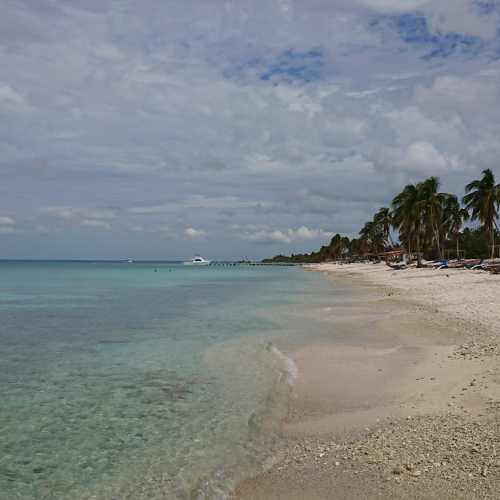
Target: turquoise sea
[145, 380]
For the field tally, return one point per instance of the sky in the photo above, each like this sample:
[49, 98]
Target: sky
[158, 129]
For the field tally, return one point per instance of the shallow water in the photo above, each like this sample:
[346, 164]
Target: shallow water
[145, 380]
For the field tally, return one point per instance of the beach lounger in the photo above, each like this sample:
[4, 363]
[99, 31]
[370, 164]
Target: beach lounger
[473, 264]
[397, 267]
[456, 265]
[493, 269]
[479, 267]
[442, 264]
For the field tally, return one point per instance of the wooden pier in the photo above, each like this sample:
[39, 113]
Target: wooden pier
[247, 263]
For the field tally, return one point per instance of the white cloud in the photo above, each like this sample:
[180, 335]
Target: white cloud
[153, 209]
[394, 5]
[7, 224]
[6, 221]
[458, 94]
[200, 202]
[10, 96]
[98, 213]
[424, 158]
[220, 203]
[444, 16]
[100, 224]
[345, 131]
[461, 16]
[43, 229]
[65, 212]
[264, 164]
[194, 234]
[295, 99]
[267, 234]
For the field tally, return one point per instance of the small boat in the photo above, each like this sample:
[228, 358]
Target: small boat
[197, 261]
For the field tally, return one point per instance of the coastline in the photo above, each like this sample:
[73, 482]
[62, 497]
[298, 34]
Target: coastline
[413, 414]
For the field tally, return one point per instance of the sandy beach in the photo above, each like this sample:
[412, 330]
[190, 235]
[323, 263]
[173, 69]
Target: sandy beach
[411, 410]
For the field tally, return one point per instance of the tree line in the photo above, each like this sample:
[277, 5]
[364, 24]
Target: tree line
[429, 223]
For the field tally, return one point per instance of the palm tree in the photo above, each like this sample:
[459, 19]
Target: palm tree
[372, 235]
[483, 201]
[366, 232]
[433, 206]
[339, 245]
[407, 217]
[454, 217]
[383, 218]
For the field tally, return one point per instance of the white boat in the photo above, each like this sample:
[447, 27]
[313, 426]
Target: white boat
[197, 261]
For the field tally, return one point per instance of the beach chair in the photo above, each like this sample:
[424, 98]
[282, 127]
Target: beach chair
[493, 269]
[472, 264]
[443, 264]
[456, 265]
[398, 266]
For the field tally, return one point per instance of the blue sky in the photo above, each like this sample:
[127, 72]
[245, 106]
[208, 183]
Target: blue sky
[159, 129]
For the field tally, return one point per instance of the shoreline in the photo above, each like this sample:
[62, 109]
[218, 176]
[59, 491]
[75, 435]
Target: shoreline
[416, 418]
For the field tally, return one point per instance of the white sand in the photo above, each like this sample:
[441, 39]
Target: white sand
[472, 296]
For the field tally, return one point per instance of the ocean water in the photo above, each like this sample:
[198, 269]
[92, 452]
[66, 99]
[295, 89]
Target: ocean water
[146, 380]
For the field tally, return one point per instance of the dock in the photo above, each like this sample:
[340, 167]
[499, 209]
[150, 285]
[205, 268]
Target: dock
[245, 263]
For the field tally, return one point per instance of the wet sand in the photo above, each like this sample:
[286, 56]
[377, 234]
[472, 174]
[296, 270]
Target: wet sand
[410, 410]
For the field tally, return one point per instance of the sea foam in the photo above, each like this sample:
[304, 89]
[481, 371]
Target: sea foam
[290, 368]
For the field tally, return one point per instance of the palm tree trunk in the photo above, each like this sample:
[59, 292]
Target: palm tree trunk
[391, 242]
[438, 244]
[492, 241]
[419, 256]
[458, 249]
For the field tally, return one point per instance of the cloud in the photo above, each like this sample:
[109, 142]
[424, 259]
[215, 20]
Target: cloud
[394, 5]
[10, 96]
[194, 234]
[464, 17]
[269, 116]
[62, 212]
[6, 221]
[66, 212]
[98, 213]
[458, 94]
[269, 235]
[43, 229]
[423, 158]
[99, 224]
[7, 225]
[295, 66]
[200, 202]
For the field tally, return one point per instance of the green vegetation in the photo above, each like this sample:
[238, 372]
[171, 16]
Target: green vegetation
[483, 201]
[429, 224]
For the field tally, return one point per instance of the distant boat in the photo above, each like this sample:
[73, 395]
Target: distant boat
[197, 261]
[130, 260]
